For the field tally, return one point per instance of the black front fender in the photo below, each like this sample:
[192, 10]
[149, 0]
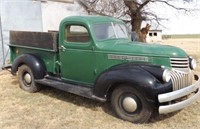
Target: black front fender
[35, 63]
[141, 79]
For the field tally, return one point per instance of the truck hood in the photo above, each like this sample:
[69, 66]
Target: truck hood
[137, 48]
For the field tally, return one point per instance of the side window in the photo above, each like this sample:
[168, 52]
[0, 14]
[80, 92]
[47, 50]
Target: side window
[76, 34]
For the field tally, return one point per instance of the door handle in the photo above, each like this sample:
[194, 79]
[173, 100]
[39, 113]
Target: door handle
[63, 48]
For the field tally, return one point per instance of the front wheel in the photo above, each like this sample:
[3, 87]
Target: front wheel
[26, 79]
[130, 105]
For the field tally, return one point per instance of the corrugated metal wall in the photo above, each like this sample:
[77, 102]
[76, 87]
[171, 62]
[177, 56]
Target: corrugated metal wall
[33, 16]
[18, 15]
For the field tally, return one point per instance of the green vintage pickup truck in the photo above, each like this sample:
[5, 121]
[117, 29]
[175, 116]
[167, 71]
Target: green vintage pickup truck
[93, 56]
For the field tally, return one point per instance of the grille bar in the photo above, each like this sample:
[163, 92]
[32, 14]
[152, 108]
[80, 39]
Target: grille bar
[180, 65]
[183, 59]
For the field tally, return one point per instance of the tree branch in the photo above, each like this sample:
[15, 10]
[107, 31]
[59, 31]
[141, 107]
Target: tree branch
[170, 5]
[143, 4]
[134, 11]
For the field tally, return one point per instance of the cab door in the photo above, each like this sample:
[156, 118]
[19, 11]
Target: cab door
[76, 54]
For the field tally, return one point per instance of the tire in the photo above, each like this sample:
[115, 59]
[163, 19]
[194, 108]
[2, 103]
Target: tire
[26, 80]
[130, 105]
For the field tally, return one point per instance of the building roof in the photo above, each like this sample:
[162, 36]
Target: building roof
[156, 30]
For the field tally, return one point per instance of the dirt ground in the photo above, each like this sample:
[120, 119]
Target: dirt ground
[54, 109]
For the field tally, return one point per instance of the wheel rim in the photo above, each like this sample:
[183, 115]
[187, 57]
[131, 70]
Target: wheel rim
[27, 78]
[129, 104]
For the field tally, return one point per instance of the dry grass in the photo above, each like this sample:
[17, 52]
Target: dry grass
[54, 109]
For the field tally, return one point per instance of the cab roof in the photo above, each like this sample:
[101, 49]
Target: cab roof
[91, 19]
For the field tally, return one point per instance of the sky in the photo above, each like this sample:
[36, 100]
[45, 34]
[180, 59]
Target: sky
[179, 23]
[183, 25]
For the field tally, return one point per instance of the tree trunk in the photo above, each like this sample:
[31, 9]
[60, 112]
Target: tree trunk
[136, 16]
[136, 22]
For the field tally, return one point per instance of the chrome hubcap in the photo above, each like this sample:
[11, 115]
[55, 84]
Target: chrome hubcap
[27, 78]
[129, 104]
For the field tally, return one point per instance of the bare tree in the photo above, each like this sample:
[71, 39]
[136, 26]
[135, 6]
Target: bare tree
[131, 11]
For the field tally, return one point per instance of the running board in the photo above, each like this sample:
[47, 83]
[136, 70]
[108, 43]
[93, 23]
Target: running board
[74, 89]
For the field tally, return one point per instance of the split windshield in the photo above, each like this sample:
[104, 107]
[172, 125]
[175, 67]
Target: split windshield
[106, 31]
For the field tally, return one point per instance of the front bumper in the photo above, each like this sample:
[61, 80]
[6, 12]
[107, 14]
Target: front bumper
[171, 96]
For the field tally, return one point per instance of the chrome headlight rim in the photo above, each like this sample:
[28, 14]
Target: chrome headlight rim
[192, 63]
[166, 75]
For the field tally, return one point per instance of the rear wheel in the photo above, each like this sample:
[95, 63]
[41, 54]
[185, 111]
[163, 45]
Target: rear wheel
[26, 79]
[130, 105]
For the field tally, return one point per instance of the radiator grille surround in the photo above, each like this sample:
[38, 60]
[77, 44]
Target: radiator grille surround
[181, 75]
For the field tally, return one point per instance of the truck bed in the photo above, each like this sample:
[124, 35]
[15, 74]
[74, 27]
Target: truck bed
[42, 44]
[44, 40]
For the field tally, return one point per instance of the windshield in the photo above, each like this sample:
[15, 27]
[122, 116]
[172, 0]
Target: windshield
[110, 31]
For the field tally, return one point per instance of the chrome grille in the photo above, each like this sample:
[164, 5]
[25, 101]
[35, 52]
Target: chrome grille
[179, 62]
[181, 75]
[180, 79]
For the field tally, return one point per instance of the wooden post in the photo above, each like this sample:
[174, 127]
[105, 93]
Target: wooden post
[2, 44]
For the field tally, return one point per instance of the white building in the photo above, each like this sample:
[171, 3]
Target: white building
[154, 36]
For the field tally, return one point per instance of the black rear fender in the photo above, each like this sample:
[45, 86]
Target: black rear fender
[35, 63]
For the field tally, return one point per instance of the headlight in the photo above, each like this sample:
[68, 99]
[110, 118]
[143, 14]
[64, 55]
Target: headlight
[193, 63]
[166, 75]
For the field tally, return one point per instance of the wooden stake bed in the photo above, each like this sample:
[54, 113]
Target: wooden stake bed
[45, 40]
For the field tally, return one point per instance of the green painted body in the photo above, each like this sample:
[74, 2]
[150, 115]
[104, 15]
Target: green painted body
[49, 57]
[83, 63]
